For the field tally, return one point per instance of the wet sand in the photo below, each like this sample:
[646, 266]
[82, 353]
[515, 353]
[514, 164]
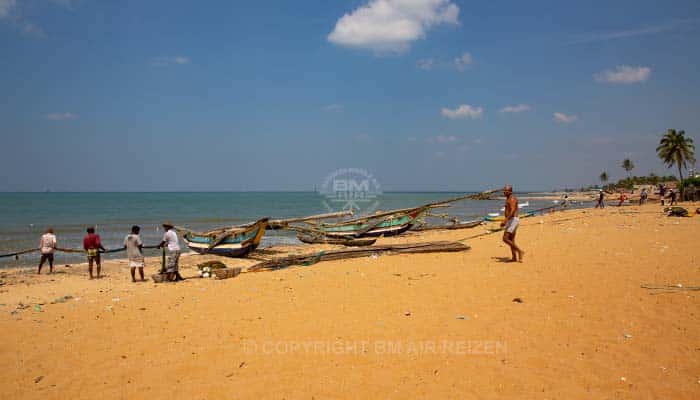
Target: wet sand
[570, 322]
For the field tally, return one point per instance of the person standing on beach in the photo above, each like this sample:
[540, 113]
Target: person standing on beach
[47, 246]
[601, 199]
[643, 197]
[623, 197]
[134, 251]
[172, 268]
[510, 223]
[662, 193]
[92, 245]
[673, 197]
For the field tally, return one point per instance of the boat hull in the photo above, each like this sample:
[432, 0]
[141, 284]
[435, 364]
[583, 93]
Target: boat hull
[387, 227]
[236, 244]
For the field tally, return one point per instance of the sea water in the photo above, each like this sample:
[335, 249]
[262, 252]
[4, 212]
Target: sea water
[24, 217]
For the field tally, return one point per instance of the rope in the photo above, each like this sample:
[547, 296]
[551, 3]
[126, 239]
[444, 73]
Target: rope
[19, 253]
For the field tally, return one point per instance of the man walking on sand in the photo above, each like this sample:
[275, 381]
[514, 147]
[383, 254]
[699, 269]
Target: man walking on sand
[601, 199]
[92, 246]
[172, 268]
[47, 246]
[510, 223]
[134, 251]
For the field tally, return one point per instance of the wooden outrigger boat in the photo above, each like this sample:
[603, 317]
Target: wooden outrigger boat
[310, 238]
[456, 225]
[235, 241]
[389, 223]
[491, 218]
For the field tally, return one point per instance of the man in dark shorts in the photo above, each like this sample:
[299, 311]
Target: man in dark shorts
[47, 246]
[601, 199]
[92, 246]
[674, 195]
[511, 223]
[662, 193]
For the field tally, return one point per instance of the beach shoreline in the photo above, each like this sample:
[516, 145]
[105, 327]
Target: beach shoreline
[571, 321]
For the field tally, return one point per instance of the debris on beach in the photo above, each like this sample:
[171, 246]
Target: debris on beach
[408, 248]
[517, 300]
[62, 299]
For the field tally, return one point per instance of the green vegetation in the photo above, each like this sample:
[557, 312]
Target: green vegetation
[676, 149]
[652, 179]
[690, 182]
[627, 165]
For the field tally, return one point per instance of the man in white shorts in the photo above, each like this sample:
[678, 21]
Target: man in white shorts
[134, 251]
[511, 223]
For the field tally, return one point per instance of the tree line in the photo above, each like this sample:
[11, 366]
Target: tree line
[674, 149]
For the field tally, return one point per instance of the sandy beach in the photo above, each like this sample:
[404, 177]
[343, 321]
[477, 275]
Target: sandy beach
[572, 321]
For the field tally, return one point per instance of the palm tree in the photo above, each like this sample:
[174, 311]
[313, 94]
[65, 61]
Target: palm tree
[603, 177]
[675, 148]
[627, 165]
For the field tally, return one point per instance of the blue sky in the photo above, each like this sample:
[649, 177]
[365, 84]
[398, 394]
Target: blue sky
[425, 94]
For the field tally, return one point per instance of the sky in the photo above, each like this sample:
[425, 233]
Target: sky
[277, 95]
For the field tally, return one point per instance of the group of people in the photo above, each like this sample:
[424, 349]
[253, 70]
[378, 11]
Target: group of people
[664, 192]
[92, 245]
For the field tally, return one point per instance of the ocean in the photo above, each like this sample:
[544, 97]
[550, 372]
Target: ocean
[24, 217]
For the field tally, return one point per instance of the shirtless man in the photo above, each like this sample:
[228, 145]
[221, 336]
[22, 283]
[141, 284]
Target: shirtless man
[510, 223]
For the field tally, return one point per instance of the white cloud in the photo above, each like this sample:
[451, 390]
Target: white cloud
[629, 33]
[516, 109]
[464, 111]
[564, 118]
[460, 63]
[463, 61]
[32, 30]
[444, 139]
[624, 74]
[333, 107]
[425, 64]
[391, 25]
[61, 116]
[164, 61]
[6, 7]
[70, 4]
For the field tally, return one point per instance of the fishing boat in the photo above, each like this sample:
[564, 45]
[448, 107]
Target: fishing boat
[388, 223]
[499, 218]
[457, 225]
[234, 241]
[318, 239]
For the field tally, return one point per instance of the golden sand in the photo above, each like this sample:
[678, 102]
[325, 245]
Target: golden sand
[407, 326]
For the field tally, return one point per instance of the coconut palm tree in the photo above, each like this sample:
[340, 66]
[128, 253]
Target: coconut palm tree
[627, 165]
[675, 148]
[603, 177]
